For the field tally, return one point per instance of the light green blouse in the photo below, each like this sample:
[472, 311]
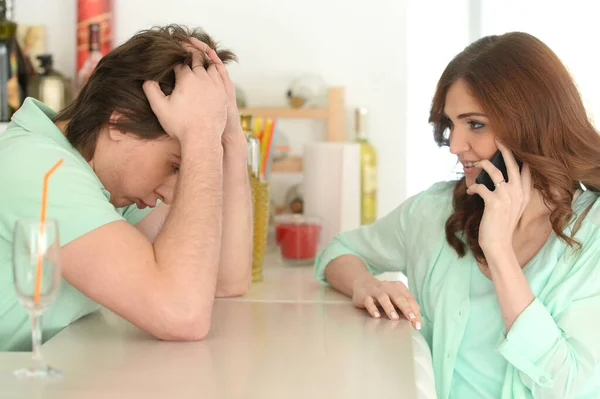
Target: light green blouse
[552, 349]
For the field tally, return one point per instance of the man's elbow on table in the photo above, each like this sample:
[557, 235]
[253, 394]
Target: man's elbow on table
[235, 288]
[232, 291]
[190, 326]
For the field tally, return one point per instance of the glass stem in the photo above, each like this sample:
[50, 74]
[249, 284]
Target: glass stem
[36, 340]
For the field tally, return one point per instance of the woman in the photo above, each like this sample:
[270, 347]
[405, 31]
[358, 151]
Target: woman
[504, 283]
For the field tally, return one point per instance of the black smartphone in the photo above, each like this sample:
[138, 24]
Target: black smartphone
[498, 161]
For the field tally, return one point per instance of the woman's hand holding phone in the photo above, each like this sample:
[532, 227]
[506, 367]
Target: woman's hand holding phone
[504, 205]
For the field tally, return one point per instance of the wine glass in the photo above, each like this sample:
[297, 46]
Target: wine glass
[36, 276]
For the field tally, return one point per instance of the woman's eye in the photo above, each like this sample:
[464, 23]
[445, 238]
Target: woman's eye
[175, 169]
[476, 125]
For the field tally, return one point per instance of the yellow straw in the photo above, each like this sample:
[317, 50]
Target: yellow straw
[38, 269]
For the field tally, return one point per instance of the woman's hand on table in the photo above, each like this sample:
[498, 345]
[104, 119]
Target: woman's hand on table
[372, 294]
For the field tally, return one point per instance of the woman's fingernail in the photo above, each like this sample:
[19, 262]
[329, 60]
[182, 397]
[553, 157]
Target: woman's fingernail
[418, 325]
[376, 314]
[412, 315]
[394, 315]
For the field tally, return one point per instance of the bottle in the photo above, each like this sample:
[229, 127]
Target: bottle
[253, 146]
[259, 190]
[99, 12]
[368, 170]
[13, 75]
[94, 56]
[50, 86]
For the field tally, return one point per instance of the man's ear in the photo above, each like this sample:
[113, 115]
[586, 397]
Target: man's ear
[114, 133]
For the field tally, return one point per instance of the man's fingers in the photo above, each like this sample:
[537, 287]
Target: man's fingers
[215, 75]
[212, 54]
[154, 94]
[199, 45]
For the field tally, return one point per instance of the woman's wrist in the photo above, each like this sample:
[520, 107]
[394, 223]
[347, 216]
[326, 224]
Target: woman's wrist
[498, 251]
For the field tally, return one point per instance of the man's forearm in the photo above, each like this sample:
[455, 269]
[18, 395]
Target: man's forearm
[188, 247]
[235, 268]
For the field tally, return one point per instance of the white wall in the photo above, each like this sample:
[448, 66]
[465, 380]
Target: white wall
[277, 40]
[387, 53]
[570, 29]
[59, 17]
[436, 32]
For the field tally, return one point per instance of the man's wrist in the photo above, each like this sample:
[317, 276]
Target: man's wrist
[207, 137]
[234, 140]
[208, 146]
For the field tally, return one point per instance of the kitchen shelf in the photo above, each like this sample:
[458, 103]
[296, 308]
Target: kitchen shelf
[333, 114]
[291, 113]
[290, 164]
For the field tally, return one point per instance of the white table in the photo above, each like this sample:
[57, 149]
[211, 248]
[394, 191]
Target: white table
[288, 338]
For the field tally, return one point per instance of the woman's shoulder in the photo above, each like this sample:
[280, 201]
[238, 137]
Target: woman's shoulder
[591, 205]
[575, 273]
[429, 209]
[437, 198]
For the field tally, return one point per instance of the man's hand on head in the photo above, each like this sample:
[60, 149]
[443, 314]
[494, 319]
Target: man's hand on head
[233, 132]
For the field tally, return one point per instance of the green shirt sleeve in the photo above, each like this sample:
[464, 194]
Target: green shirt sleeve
[382, 246]
[556, 349]
[76, 198]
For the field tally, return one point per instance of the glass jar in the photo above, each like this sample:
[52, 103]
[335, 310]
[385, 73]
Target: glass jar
[297, 237]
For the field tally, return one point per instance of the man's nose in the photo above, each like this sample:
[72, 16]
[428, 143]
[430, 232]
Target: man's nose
[166, 191]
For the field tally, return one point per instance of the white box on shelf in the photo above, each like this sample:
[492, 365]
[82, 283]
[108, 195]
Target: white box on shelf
[332, 186]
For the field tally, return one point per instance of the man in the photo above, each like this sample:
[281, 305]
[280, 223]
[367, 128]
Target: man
[156, 123]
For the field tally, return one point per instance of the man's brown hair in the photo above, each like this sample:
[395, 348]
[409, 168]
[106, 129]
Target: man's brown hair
[116, 85]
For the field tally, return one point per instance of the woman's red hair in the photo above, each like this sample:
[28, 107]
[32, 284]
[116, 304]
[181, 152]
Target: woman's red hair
[535, 108]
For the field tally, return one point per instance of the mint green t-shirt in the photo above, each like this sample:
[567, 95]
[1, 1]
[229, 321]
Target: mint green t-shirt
[29, 147]
[552, 349]
[478, 354]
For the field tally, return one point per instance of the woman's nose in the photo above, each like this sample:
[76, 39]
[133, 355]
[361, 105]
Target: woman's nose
[459, 142]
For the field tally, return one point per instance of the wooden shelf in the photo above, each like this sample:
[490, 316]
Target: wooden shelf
[290, 164]
[299, 113]
[333, 115]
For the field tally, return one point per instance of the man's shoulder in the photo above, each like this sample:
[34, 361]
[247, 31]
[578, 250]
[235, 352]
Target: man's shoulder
[19, 147]
[23, 155]
[25, 159]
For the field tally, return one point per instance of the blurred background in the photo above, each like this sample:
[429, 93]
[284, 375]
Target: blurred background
[386, 55]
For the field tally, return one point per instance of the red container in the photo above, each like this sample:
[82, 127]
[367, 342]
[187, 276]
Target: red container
[298, 238]
[93, 11]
